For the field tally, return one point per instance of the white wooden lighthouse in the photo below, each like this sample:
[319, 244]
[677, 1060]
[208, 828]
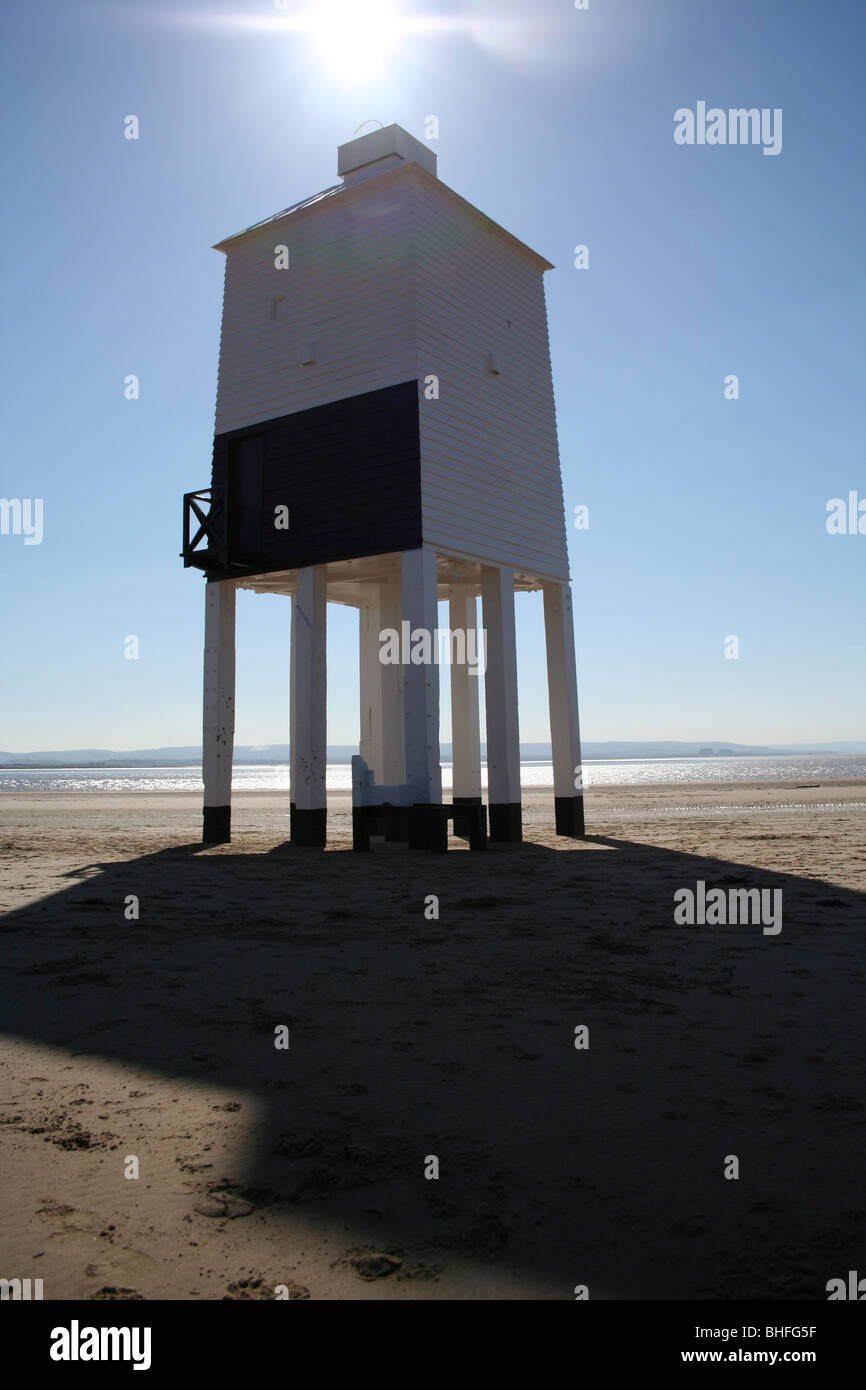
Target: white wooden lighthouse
[386, 438]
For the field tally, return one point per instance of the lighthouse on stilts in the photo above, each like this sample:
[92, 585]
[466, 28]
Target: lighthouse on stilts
[386, 438]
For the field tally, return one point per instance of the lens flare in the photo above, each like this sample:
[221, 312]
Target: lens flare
[354, 37]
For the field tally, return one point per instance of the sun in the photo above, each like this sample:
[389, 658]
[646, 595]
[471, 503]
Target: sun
[354, 37]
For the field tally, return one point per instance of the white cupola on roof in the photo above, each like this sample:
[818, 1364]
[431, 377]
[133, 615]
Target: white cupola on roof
[383, 149]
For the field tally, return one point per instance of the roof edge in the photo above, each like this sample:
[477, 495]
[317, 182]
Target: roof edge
[409, 170]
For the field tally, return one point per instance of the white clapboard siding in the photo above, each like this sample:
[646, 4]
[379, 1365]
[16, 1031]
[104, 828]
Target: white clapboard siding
[394, 278]
[348, 290]
[490, 477]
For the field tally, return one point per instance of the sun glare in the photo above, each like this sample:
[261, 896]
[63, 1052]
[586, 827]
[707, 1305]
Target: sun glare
[355, 37]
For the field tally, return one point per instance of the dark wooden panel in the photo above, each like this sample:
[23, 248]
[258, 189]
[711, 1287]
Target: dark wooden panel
[246, 478]
[349, 473]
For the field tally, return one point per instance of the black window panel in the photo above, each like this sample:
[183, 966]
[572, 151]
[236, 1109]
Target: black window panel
[246, 490]
[349, 473]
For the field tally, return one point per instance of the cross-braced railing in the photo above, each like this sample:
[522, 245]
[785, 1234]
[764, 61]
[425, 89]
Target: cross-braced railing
[206, 510]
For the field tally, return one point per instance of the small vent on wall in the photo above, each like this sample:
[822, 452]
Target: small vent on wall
[279, 307]
[493, 364]
[308, 354]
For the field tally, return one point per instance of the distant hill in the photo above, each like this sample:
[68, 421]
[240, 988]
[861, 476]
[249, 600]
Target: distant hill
[278, 753]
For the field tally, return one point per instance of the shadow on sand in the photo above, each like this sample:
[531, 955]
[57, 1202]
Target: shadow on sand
[455, 1037]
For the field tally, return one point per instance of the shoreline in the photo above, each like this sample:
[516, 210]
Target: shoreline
[602, 789]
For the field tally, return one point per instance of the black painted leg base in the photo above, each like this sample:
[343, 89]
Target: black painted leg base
[424, 825]
[428, 828]
[391, 822]
[569, 816]
[464, 825]
[308, 829]
[396, 829]
[506, 823]
[217, 827]
[360, 830]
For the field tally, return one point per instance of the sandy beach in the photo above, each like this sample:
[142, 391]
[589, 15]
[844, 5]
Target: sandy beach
[414, 1037]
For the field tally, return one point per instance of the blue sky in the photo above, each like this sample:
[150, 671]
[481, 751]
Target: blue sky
[707, 516]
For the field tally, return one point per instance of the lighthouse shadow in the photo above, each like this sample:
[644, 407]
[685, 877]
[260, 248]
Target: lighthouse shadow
[510, 1062]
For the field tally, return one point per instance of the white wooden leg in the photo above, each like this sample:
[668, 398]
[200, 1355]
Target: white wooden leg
[500, 686]
[564, 724]
[465, 732]
[371, 673]
[393, 772]
[308, 732]
[421, 681]
[218, 725]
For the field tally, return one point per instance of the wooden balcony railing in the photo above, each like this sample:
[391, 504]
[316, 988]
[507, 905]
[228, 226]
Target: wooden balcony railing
[207, 512]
